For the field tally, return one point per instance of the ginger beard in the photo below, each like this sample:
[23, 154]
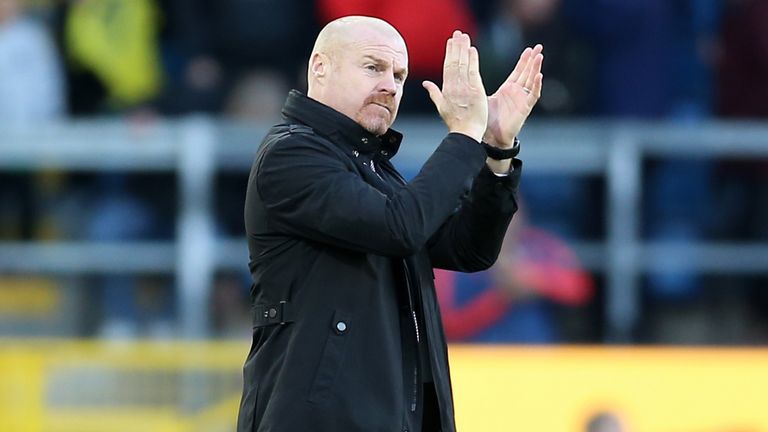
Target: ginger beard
[377, 113]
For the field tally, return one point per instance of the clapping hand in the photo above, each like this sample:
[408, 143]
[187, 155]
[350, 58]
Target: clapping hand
[462, 102]
[512, 103]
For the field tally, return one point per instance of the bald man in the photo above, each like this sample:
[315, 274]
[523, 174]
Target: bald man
[346, 332]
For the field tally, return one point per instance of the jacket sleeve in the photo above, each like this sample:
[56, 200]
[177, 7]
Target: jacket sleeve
[470, 240]
[308, 190]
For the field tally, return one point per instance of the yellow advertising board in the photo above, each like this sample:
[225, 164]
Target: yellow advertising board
[61, 386]
[502, 389]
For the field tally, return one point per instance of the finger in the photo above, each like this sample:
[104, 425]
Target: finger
[455, 39]
[464, 57]
[535, 70]
[474, 68]
[521, 63]
[526, 73]
[434, 93]
[536, 89]
[448, 57]
[528, 70]
[451, 64]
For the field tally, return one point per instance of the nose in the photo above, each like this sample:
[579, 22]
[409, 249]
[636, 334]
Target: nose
[388, 84]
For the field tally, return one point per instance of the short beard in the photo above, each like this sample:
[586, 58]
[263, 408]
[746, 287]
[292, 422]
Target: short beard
[377, 126]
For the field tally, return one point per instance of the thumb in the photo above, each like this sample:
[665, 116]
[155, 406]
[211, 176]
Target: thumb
[434, 93]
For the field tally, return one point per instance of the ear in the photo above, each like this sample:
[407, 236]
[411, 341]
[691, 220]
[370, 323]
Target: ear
[319, 65]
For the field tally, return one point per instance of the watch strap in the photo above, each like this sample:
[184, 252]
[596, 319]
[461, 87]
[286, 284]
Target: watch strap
[501, 154]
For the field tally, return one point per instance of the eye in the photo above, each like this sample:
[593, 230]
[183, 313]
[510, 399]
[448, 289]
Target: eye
[372, 67]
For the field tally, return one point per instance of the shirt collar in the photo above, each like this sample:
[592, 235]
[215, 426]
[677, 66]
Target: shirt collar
[330, 123]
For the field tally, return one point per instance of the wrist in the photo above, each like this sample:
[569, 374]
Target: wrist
[472, 133]
[489, 138]
[499, 153]
[500, 168]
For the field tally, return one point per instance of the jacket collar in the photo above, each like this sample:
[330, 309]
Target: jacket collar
[330, 123]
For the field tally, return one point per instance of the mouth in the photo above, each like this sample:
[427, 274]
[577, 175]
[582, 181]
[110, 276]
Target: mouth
[383, 106]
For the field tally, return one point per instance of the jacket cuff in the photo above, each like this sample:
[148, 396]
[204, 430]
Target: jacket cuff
[463, 147]
[500, 192]
[510, 180]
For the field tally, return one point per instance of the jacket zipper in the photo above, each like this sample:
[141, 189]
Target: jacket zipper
[415, 384]
[414, 389]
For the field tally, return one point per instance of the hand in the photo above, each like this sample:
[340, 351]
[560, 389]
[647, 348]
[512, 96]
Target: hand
[510, 106]
[462, 103]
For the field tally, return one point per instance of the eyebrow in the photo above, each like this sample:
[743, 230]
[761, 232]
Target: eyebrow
[379, 60]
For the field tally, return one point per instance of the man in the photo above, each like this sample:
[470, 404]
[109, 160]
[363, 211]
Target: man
[347, 333]
[32, 86]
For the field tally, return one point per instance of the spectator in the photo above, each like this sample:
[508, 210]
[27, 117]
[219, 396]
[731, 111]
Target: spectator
[31, 92]
[230, 314]
[515, 24]
[606, 422]
[112, 48]
[653, 62]
[557, 202]
[743, 66]
[743, 94]
[113, 55]
[258, 97]
[211, 50]
[118, 215]
[31, 88]
[743, 184]
[649, 55]
[195, 78]
[513, 301]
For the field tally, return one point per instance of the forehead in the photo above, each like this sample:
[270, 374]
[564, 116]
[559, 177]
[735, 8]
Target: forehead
[385, 46]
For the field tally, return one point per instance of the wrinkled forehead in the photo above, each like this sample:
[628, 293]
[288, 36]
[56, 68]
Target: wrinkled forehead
[383, 43]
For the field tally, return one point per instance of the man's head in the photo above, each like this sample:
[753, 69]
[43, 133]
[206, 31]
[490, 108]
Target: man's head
[605, 422]
[358, 67]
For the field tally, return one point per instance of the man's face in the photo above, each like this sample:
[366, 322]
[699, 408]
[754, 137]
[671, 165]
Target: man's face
[366, 80]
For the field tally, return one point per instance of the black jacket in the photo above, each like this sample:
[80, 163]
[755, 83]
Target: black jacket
[337, 235]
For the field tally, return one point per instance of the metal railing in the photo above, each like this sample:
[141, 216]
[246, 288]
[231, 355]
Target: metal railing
[197, 148]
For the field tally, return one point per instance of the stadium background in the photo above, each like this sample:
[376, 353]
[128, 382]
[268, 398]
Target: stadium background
[631, 294]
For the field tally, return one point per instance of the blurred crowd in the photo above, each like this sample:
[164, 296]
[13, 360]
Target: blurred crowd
[682, 59]
[669, 60]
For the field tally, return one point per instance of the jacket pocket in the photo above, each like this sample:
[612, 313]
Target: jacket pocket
[331, 357]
